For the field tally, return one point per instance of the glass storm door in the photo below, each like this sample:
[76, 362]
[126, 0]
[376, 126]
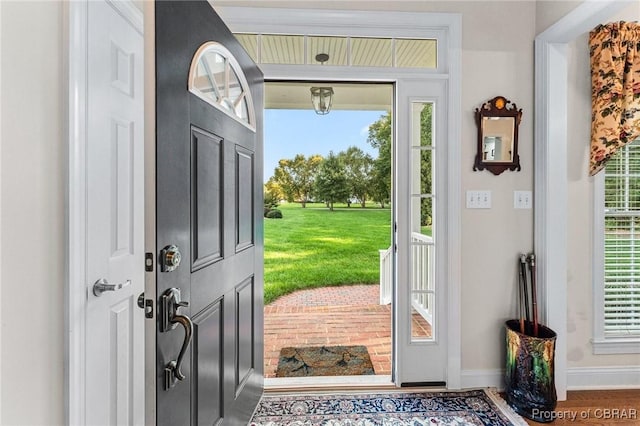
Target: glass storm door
[420, 328]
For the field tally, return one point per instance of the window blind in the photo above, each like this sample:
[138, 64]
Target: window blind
[622, 243]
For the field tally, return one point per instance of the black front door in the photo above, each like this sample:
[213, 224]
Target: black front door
[209, 220]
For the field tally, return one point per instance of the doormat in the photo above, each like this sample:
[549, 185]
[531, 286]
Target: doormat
[324, 361]
[477, 407]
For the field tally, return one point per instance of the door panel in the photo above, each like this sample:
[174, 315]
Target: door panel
[206, 202]
[207, 365]
[244, 206]
[244, 333]
[209, 196]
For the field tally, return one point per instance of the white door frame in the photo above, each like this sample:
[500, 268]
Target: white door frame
[76, 27]
[550, 152]
[0, 217]
[385, 24]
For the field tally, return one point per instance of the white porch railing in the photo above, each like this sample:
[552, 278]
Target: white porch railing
[422, 275]
[386, 268]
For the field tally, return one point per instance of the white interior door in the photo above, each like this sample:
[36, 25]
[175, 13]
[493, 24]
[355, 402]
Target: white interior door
[420, 204]
[115, 219]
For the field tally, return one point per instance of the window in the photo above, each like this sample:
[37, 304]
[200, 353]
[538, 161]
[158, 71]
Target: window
[342, 51]
[216, 78]
[423, 288]
[617, 273]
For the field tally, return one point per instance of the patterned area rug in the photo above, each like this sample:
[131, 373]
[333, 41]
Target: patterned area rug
[324, 361]
[466, 408]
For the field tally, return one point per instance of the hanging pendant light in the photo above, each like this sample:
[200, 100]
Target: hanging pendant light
[321, 98]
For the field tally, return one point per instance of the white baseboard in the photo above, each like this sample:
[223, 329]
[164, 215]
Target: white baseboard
[482, 379]
[623, 377]
[578, 378]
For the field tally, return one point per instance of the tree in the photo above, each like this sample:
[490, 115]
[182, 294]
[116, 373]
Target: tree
[331, 181]
[380, 138]
[274, 190]
[272, 195]
[426, 178]
[296, 177]
[358, 167]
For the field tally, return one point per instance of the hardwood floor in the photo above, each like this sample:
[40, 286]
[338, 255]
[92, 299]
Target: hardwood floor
[604, 408]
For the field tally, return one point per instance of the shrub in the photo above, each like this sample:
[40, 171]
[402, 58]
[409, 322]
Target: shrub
[270, 201]
[274, 214]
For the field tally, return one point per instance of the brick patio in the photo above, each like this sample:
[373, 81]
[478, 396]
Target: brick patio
[348, 315]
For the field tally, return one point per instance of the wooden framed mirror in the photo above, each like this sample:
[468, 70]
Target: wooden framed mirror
[497, 120]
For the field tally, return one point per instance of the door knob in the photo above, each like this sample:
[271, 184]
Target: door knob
[170, 258]
[103, 285]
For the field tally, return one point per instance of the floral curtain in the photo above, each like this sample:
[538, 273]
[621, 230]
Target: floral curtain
[615, 89]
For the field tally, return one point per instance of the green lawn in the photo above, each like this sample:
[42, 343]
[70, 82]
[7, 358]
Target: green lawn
[315, 247]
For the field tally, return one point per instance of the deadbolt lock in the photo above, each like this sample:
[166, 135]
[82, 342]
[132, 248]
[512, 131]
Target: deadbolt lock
[170, 258]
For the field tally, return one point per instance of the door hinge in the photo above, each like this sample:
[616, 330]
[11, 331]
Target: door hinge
[146, 305]
[148, 262]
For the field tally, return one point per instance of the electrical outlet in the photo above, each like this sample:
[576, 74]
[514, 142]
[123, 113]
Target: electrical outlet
[522, 199]
[478, 199]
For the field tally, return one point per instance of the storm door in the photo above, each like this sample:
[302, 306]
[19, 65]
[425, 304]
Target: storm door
[421, 287]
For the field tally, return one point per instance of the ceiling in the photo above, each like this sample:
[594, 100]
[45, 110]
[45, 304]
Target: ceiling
[338, 51]
[347, 96]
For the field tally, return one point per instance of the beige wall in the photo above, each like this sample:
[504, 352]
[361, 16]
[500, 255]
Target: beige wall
[32, 224]
[549, 11]
[580, 211]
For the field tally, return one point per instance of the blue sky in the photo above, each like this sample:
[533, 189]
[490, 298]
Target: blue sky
[291, 132]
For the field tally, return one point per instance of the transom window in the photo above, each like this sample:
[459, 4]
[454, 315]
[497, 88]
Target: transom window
[341, 51]
[216, 77]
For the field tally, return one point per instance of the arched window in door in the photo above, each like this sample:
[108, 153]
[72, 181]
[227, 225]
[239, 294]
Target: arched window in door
[216, 78]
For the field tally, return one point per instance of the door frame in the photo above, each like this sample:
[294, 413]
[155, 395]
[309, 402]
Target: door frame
[75, 24]
[385, 24]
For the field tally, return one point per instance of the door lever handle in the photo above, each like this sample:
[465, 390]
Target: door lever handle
[170, 303]
[103, 285]
[174, 366]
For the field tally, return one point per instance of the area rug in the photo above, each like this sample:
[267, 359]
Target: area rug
[467, 408]
[324, 361]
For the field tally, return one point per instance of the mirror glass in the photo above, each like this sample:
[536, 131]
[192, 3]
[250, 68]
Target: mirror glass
[497, 138]
[497, 121]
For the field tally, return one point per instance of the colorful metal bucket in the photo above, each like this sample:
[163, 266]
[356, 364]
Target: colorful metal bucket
[530, 387]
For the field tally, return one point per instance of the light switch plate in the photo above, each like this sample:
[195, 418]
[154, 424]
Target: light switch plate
[522, 199]
[478, 199]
